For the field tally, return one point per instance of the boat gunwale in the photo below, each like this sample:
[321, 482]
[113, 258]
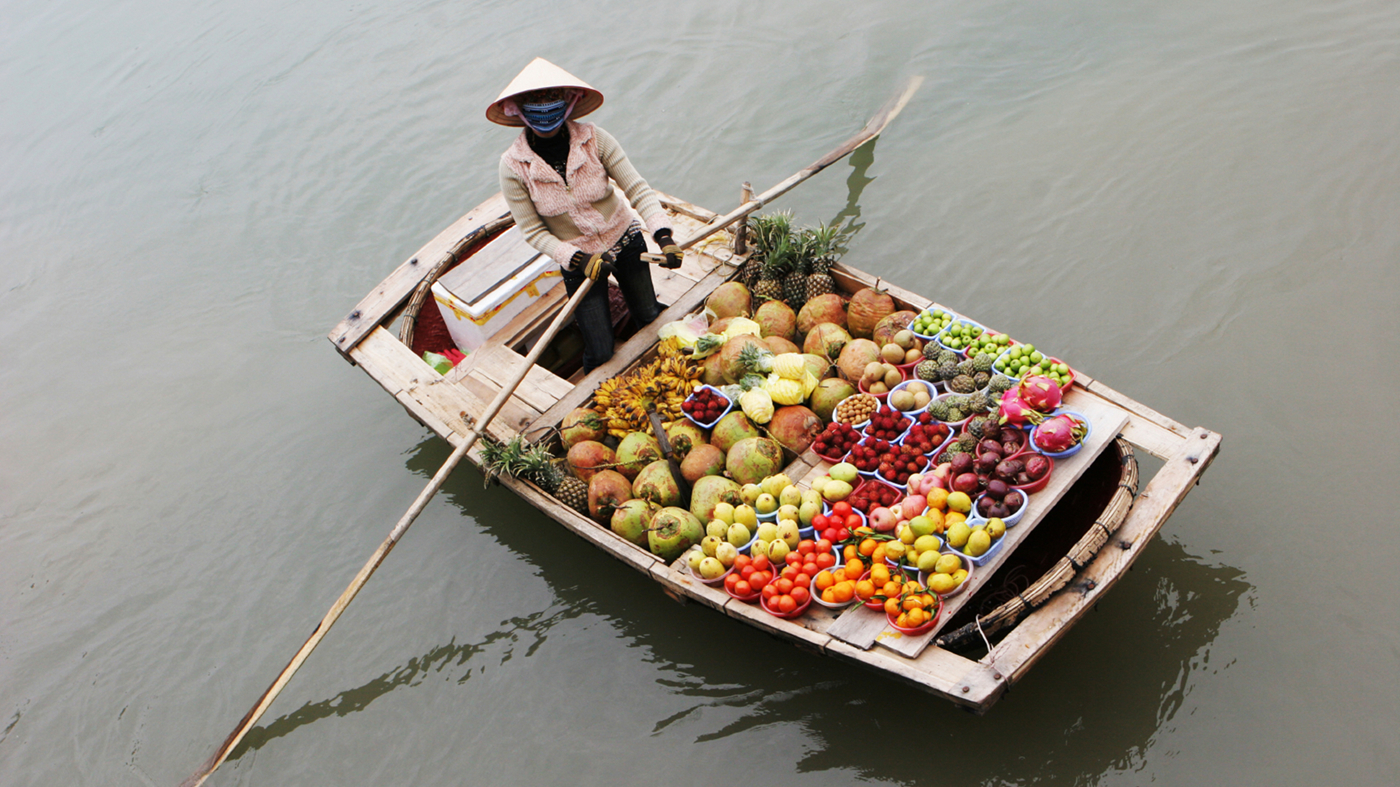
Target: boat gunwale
[1186, 453]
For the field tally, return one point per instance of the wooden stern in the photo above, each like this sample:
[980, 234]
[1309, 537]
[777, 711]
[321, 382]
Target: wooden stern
[446, 404]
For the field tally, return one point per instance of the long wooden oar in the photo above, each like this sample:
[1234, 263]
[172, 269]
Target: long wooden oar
[383, 551]
[872, 128]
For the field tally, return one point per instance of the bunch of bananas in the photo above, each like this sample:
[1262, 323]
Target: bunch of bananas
[662, 384]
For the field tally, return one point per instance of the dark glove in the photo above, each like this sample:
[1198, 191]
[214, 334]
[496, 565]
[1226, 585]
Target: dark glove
[599, 266]
[669, 248]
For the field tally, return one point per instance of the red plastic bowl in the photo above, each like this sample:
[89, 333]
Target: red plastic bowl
[746, 599]
[925, 628]
[763, 602]
[1034, 486]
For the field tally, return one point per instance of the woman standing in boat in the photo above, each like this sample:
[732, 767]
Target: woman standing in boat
[555, 180]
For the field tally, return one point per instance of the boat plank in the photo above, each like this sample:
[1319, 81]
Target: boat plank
[499, 364]
[632, 349]
[1034, 636]
[585, 528]
[435, 402]
[1161, 443]
[677, 577]
[961, 680]
[514, 416]
[394, 290]
[787, 629]
[1137, 408]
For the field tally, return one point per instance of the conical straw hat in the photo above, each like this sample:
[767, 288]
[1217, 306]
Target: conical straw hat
[538, 75]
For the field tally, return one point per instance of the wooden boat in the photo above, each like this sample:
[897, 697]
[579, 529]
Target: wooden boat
[1082, 533]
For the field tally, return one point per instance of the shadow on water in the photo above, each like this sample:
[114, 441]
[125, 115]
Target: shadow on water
[1092, 705]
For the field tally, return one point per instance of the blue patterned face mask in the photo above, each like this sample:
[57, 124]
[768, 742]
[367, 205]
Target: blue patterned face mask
[546, 117]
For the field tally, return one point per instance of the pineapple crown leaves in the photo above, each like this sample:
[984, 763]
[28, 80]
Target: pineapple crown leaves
[767, 230]
[824, 241]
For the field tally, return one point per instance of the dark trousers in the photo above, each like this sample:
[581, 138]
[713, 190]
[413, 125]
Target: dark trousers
[593, 319]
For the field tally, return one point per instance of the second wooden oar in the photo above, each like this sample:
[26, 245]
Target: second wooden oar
[383, 551]
[872, 129]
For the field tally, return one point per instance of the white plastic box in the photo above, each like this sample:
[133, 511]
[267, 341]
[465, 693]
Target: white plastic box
[482, 294]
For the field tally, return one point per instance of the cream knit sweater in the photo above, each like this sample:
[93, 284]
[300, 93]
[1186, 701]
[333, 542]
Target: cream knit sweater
[560, 217]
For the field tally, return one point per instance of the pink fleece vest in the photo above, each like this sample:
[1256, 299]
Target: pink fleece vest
[587, 185]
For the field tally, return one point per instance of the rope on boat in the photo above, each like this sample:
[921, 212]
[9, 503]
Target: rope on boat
[1063, 572]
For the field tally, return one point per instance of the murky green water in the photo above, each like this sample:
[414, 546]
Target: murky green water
[1195, 202]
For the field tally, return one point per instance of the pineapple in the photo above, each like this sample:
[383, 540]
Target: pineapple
[777, 262]
[795, 284]
[821, 247]
[542, 469]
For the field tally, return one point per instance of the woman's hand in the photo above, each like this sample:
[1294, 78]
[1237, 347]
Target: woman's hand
[669, 248]
[600, 266]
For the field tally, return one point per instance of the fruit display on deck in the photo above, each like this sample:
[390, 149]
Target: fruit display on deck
[923, 420]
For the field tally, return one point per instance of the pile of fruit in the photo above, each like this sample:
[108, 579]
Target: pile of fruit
[914, 609]
[761, 377]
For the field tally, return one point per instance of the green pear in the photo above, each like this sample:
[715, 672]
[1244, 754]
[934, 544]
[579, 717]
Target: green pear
[996, 528]
[760, 548]
[978, 543]
[708, 544]
[921, 525]
[717, 528]
[958, 535]
[844, 471]
[739, 534]
[927, 561]
[768, 531]
[775, 484]
[750, 493]
[745, 515]
[947, 564]
[778, 550]
[836, 491]
[727, 553]
[765, 504]
[725, 511]
[790, 496]
[808, 510]
[788, 512]
[787, 532]
[693, 559]
[711, 568]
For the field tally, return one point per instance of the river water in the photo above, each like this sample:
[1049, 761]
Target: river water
[1194, 202]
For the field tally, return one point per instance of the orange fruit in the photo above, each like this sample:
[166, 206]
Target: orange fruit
[892, 606]
[844, 591]
[903, 621]
[824, 581]
[911, 603]
[867, 546]
[937, 499]
[879, 554]
[854, 568]
[849, 553]
[829, 595]
[865, 589]
[879, 574]
[916, 617]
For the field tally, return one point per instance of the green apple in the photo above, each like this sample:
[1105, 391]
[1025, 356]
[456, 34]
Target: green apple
[739, 534]
[725, 511]
[844, 471]
[750, 493]
[745, 515]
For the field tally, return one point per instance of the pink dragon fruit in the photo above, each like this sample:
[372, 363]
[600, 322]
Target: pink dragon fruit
[1040, 393]
[1060, 433]
[1014, 410]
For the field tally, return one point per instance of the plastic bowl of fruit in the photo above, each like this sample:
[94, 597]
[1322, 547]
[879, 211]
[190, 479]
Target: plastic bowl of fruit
[835, 441]
[949, 397]
[855, 409]
[1012, 494]
[836, 578]
[883, 397]
[959, 334]
[927, 323]
[913, 387]
[719, 580]
[922, 628]
[929, 578]
[903, 462]
[734, 579]
[1036, 483]
[989, 343]
[980, 560]
[927, 434]
[705, 401]
[1037, 438]
[785, 614]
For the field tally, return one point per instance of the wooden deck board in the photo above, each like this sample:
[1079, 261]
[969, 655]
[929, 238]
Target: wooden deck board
[863, 627]
[1034, 636]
